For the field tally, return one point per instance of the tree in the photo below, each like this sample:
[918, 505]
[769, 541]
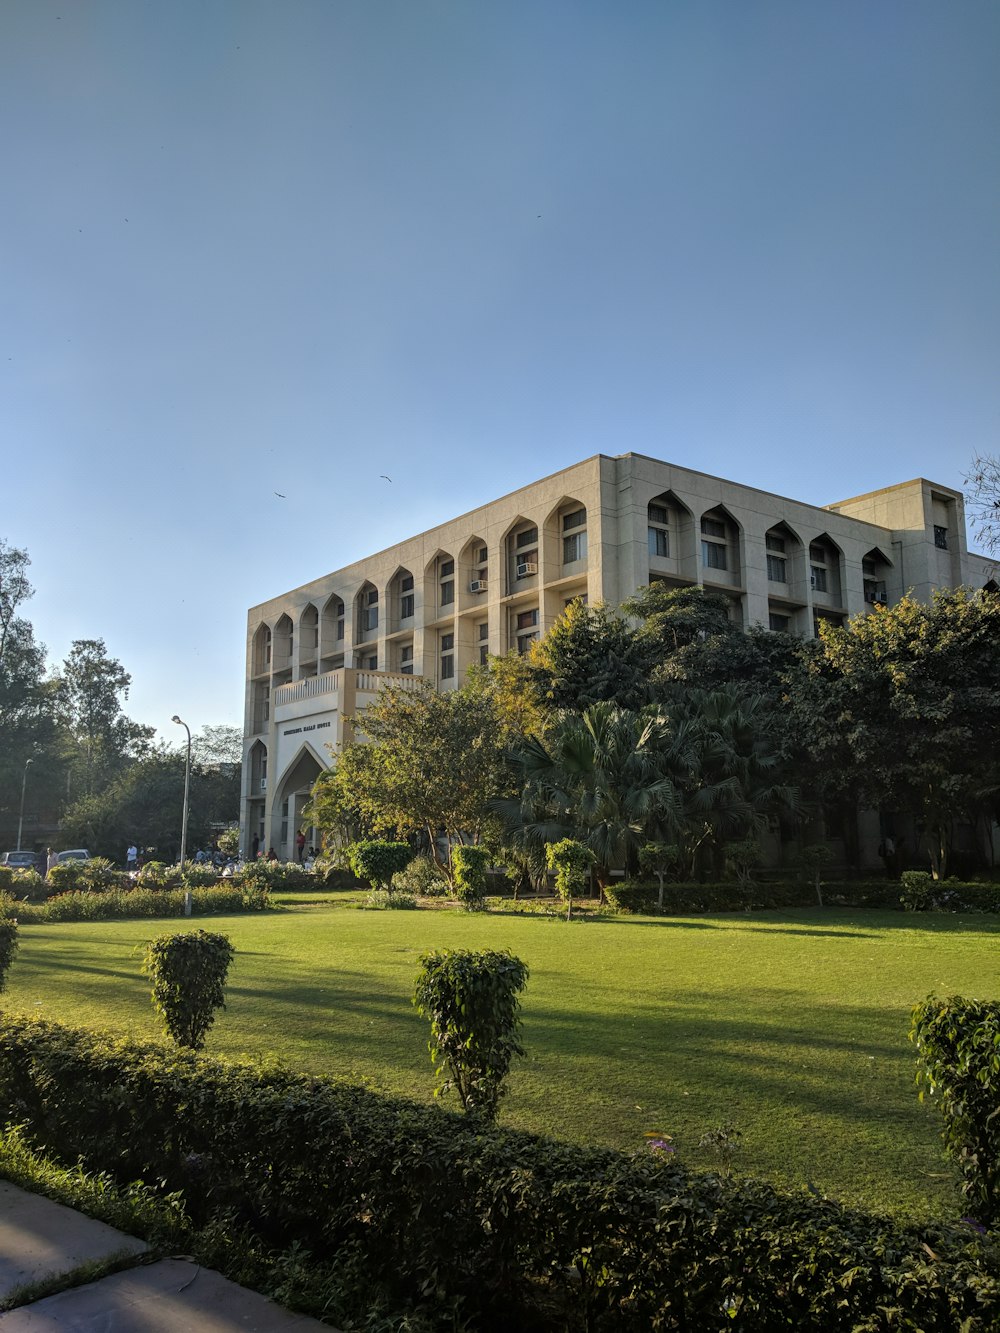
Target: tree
[432, 762]
[144, 804]
[189, 982]
[471, 1001]
[592, 655]
[673, 620]
[105, 740]
[733, 781]
[571, 863]
[983, 500]
[905, 704]
[28, 728]
[218, 745]
[604, 778]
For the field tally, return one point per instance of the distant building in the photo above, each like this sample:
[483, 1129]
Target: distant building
[497, 578]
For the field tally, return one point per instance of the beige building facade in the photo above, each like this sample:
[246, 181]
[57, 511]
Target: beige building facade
[495, 579]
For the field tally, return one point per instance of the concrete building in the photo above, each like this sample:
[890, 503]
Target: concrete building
[495, 579]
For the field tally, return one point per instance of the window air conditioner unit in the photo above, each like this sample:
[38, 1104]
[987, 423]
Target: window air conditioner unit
[478, 585]
[525, 568]
[263, 784]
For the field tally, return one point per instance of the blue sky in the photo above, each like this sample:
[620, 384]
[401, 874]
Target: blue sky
[252, 247]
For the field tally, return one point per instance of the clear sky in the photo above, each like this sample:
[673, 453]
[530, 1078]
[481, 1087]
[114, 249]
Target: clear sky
[254, 247]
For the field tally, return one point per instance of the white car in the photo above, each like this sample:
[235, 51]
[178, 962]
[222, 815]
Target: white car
[77, 854]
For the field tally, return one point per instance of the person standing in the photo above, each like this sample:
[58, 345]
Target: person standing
[131, 857]
[300, 845]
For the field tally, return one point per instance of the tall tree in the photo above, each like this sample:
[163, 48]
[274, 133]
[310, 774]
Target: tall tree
[432, 762]
[27, 720]
[592, 655]
[104, 739]
[905, 705]
[605, 777]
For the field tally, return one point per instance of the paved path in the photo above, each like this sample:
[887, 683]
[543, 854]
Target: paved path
[42, 1241]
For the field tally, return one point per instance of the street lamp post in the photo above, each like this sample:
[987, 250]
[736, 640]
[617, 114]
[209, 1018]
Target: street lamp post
[20, 819]
[187, 788]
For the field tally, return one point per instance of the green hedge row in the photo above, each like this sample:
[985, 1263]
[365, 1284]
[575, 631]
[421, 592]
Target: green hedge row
[110, 904]
[504, 1228]
[642, 896]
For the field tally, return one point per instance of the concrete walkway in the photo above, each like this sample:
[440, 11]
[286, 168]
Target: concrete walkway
[42, 1241]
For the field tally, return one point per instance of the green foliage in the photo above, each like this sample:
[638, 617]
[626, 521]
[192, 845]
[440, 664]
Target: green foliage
[432, 761]
[901, 710]
[591, 655]
[8, 947]
[571, 862]
[422, 879]
[916, 890]
[276, 875]
[95, 876]
[158, 875]
[389, 900]
[6, 879]
[471, 1001]
[195, 876]
[440, 1211]
[228, 840]
[957, 1044]
[469, 866]
[377, 862]
[628, 896]
[29, 884]
[115, 904]
[724, 1143]
[189, 978]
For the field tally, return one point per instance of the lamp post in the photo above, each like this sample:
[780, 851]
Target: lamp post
[187, 788]
[20, 819]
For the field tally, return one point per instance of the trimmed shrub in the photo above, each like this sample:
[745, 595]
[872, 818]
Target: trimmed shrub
[957, 1044]
[507, 1229]
[917, 890]
[468, 866]
[6, 879]
[197, 875]
[189, 982]
[389, 900]
[422, 877]
[158, 875]
[471, 1001]
[136, 903]
[377, 862]
[276, 875]
[571, 862]
[8, 947]
[628, 896]
[66, 877]
[29, 884]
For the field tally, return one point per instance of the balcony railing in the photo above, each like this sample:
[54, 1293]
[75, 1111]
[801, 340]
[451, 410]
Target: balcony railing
[328, 683]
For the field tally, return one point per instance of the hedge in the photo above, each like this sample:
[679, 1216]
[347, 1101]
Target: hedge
[508, 1229]
[641, 895]
[112, 904]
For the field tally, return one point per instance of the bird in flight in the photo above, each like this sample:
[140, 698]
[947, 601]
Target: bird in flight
[384, 477]
[279, 495]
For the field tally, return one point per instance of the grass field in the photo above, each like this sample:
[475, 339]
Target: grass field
[791, 1026]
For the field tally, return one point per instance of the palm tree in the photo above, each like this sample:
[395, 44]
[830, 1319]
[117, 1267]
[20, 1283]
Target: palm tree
[605, 777]
[732, 787]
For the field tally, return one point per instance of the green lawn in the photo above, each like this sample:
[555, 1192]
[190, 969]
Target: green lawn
[792, 1026]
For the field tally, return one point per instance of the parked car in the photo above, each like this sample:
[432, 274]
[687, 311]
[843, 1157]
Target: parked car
[77, 854]
[24, 860]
